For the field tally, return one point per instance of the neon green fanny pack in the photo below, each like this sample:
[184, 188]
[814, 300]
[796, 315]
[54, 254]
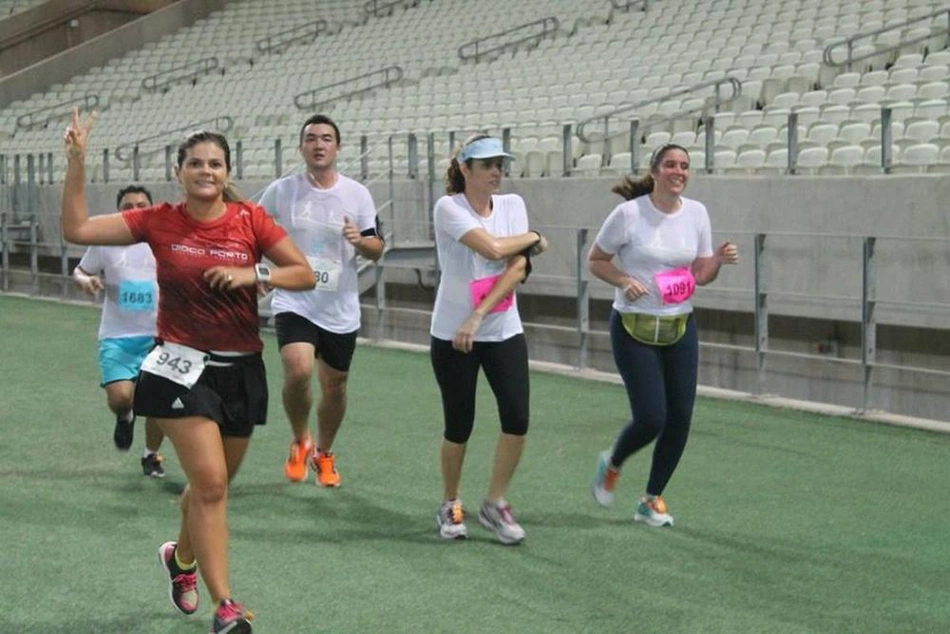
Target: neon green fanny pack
[653, 330]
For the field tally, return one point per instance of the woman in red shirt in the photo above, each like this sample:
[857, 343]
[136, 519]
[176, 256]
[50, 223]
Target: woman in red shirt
[204, 381]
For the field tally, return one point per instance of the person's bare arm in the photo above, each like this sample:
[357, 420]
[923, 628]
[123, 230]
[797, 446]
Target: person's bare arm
[601, 265]
[291, 270]
[493, 248]
[514, 274]
[77, 226]
[705, 270]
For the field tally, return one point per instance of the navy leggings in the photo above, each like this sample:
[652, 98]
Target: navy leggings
[506, 367]
[661, 387]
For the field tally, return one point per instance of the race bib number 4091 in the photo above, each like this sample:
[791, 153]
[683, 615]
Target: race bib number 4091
[676, 286]
[176, 362]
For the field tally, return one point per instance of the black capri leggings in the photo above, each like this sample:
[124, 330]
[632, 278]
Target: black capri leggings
[506, 368]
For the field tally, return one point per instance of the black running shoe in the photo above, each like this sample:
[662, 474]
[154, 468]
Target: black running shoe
[152, 466]
[122, 434]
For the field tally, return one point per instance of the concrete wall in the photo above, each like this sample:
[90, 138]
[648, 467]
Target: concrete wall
[31, 36]
[99, 50]
[807, 275]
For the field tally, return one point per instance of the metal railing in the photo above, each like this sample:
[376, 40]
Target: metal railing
[24, 239]
[304, 32]
[510, 38]
[126, 151]
[314, 98]
[185, 72]
[828, 55]
[864, 307]
[382, 8]
[21, 168]
[42, 116]
[626, 5]
[716, 101]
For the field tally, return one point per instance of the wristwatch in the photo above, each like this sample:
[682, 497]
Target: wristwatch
[262, 271]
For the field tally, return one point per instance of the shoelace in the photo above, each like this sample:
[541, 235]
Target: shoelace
[657, 505]
[610, 479]
[454, 513]
[506, 515]
[296, 449]
[186, 582]
[233, 610]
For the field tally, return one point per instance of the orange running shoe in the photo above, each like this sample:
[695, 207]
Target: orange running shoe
[653, 512]
[324, 463]
[296, 466]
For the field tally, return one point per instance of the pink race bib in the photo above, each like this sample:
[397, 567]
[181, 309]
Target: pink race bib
[481, 288]
[676, 286]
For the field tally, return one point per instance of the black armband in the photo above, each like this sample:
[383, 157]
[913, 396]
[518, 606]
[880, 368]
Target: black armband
[374, 232]
[527, 263]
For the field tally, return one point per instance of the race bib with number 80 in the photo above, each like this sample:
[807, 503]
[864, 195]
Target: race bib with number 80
[327, 273]
[176, 362]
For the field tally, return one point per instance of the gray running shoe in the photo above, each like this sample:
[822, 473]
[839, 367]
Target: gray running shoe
[499, 518]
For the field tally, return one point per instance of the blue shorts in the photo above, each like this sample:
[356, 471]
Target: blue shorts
[121, 358]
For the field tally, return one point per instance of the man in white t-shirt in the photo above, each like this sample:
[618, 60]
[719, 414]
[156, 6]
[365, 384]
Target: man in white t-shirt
[127, 327]
[332, 218]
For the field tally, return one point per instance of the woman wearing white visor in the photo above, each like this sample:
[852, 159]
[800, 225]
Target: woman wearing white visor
[484, 248]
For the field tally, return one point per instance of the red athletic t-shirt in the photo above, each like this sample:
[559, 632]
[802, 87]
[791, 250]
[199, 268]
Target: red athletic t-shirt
[190, 312]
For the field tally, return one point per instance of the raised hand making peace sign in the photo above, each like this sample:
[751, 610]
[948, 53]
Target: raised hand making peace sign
[77, 135]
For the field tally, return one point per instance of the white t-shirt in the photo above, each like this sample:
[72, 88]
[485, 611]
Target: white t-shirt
[453, 218]
[314, 219]
[648, 241]
[131, 293]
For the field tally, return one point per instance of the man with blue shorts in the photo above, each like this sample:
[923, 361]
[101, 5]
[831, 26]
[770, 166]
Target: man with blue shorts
[127, 327]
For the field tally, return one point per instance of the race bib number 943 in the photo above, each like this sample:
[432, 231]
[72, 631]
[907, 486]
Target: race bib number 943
[176, 362]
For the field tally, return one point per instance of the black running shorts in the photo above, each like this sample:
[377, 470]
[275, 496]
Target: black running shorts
[231, 392]
[335, 349]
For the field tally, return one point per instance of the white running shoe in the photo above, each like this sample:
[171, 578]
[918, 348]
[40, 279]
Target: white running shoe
[451, 519]
[499, 518]
[653, 512]
[604, 480]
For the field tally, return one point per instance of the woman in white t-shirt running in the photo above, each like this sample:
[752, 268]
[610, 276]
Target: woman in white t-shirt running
[662, 244]
[484, 248]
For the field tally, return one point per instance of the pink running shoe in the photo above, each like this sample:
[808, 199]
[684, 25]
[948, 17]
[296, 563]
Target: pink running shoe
[231, 618]
[182, 584]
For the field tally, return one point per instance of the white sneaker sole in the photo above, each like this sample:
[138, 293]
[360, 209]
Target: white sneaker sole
[652, 521]
[453, 534]
[601, 496]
